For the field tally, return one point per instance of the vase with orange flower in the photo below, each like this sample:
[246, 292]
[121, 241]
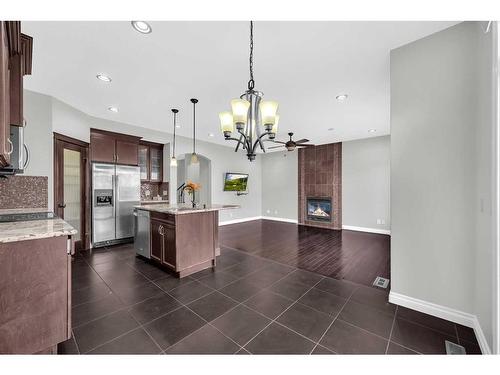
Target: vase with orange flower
[191, 188]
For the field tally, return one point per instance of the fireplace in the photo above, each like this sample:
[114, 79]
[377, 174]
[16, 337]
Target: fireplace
[319, 209]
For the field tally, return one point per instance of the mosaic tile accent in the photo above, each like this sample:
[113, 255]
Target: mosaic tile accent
[154, 188]
[24, 192]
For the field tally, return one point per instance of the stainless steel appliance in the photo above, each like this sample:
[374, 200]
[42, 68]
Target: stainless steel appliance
[141, 235]
[19, 152]
[115, 192]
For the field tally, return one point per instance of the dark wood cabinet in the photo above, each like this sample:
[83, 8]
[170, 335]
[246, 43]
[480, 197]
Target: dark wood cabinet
[15, 63]
[4, 97]
[151, 161]
[186, 243]
[109, 147]
[156, 240]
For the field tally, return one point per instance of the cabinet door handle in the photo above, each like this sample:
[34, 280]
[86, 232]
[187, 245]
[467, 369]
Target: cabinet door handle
[11, 147]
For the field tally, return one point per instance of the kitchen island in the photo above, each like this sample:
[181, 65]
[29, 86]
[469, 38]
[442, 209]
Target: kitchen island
[183, 239]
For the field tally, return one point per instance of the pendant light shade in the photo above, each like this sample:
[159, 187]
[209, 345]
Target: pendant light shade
[173, 160]
[194, 157]
[226, 123]
[240, 112]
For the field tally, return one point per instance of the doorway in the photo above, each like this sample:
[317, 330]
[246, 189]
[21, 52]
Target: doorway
[71, 186]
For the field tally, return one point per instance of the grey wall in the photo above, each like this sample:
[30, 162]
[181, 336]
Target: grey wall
[439, 123]
[280, 184]
[366, 183]
[46, 114]
[38, 138]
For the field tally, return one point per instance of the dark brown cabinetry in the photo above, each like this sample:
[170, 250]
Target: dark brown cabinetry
[109, 147]
[184, 243]
[151, 161]
[15, 62]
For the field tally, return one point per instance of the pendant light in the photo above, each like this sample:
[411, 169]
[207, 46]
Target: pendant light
[194, 156]
[253, 119]
[173, 161]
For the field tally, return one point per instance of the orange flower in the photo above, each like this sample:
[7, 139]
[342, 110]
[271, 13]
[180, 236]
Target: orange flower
[191, 186]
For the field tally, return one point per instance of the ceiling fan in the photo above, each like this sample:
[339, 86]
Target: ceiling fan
[291, 145]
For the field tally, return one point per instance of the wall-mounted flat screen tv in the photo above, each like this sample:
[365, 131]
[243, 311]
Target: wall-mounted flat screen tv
[235, 181]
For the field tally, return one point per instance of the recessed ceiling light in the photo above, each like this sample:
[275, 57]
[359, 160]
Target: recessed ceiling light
[142, 27]
[103, 77]
[113, 109]
[341, 97]
[372, 130]
[210, 134]
[330, 129]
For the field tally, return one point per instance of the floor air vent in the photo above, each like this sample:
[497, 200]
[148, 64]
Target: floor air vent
[452, 348]
[381, 282]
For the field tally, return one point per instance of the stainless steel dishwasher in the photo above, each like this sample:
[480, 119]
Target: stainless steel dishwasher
[141, 235]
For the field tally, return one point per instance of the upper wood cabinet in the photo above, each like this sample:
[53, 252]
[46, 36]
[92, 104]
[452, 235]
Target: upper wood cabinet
[151, 161]
[109, 147]
[4, 97]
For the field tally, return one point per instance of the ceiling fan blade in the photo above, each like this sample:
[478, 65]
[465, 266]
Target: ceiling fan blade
[306, 145]
[279, 142]
[302, 141]
[274, 147]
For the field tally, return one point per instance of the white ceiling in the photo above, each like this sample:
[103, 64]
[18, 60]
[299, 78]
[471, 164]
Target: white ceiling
[302, 65]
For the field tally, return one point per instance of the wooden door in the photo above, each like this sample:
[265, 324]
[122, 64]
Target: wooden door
[156, 240]
[103, 147]
[5, 147]
[127, 152]
[72, 186]
[169, 250]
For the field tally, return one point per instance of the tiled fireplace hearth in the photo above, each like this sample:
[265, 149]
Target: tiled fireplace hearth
[320, 186]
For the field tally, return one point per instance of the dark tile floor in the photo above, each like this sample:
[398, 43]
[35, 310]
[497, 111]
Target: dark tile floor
[123, 305]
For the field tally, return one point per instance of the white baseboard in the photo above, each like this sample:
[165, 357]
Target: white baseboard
[236, 221]
[443, 312]
[369, 230]
[294, 221]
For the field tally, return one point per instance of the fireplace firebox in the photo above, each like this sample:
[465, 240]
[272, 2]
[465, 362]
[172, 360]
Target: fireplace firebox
[319, 209]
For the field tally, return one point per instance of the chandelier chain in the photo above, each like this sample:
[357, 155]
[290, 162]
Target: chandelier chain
[251, 83]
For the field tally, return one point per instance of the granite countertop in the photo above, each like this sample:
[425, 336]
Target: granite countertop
[180, 209]
[33, 229]
[155, 201]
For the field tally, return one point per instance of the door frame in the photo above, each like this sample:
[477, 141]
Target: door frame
[60, 143]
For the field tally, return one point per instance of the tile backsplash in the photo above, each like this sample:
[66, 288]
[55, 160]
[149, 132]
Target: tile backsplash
[24, 192]
[154, 189]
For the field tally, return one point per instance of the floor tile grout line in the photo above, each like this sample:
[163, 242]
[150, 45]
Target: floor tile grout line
[392, 328]
[426, 327]
[333, 321]
[277, 317]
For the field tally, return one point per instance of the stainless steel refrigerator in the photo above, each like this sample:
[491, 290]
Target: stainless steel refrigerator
[115, 191]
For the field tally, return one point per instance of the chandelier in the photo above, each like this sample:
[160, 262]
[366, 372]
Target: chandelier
[255, 119]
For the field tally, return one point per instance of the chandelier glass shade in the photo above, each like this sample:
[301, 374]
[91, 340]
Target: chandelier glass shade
[252, 120]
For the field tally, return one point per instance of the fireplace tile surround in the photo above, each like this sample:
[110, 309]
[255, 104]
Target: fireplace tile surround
[320, 176]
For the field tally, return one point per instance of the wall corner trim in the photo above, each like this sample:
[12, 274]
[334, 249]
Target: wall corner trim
[443, 312]
[369, 230]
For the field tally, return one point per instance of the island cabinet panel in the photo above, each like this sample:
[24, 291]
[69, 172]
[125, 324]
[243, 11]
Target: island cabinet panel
[186, 242]
[156, 240]
[35, 295]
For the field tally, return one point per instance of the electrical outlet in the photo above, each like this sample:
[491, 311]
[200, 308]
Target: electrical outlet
[268, 211]
[148, 193]
[165, 192]
[380, 221]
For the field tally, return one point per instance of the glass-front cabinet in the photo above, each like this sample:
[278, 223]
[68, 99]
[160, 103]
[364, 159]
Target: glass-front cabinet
[151, 161]
[143, 161]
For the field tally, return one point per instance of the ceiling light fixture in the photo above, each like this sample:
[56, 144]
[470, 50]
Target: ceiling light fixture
[142, 27]
[341, 97]
[113, 109]
[249, 114]
[194, 157]
[173, 161]
[372, 130]
[104, 78]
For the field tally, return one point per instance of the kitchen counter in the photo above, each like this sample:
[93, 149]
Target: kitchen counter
[33, 229]
[154, 201]
[181, 209]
